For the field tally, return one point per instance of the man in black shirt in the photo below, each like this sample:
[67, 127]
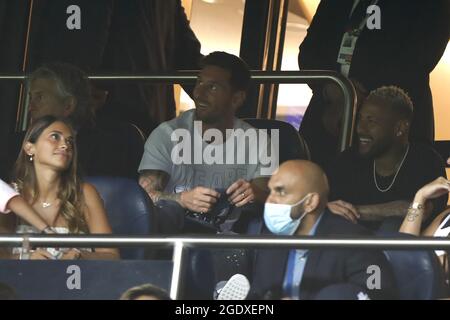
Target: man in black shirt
[377, 179]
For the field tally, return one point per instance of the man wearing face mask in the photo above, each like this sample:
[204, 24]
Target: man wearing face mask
[297, 205]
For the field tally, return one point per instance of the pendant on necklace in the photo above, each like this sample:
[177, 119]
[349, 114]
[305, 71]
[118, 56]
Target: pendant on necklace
[46, 204]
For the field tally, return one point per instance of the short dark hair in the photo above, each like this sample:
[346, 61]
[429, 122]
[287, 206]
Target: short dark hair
[394, 98]
[70, 82]
[240, 72]
[145, 290]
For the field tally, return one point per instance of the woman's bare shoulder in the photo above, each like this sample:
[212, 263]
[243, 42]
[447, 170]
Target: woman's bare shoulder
[89, 191]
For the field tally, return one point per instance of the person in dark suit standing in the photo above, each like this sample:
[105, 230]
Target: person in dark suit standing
[119, 37]
[114, 37]
[297, 206]
[411, 39]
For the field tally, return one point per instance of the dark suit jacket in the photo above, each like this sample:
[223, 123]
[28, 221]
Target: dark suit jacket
[120, 37]
[324, 267]
[411, 41]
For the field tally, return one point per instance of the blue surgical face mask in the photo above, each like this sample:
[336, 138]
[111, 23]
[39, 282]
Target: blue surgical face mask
[278, 217]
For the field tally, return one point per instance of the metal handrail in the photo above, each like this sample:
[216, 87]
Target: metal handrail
[226, 241]
[180, 243]
[182, 77]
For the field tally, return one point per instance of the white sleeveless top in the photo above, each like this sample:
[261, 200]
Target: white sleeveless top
[23, 228]
[443, 231]
[57, 253]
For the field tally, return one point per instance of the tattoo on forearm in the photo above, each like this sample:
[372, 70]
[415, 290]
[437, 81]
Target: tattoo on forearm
[167, 196]
[412, 215]
[154, 183]
[155, 179]
[379, 212]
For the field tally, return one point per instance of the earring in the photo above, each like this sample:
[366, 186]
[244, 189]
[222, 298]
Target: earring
[31, 157]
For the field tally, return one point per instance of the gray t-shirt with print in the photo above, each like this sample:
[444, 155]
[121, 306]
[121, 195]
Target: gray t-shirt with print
[177, 147]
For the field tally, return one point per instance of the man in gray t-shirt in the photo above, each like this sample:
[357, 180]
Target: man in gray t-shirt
[207, 152]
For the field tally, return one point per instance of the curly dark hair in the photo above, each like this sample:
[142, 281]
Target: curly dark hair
[394, 98]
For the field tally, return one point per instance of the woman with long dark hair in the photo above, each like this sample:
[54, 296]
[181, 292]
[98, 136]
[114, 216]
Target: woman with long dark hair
[46, 176]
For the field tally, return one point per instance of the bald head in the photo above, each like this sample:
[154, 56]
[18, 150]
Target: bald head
[295, 179]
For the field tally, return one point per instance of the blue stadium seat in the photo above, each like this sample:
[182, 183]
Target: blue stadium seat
[199, 276]
[418, 273]
[98, 280]
[128, 207]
